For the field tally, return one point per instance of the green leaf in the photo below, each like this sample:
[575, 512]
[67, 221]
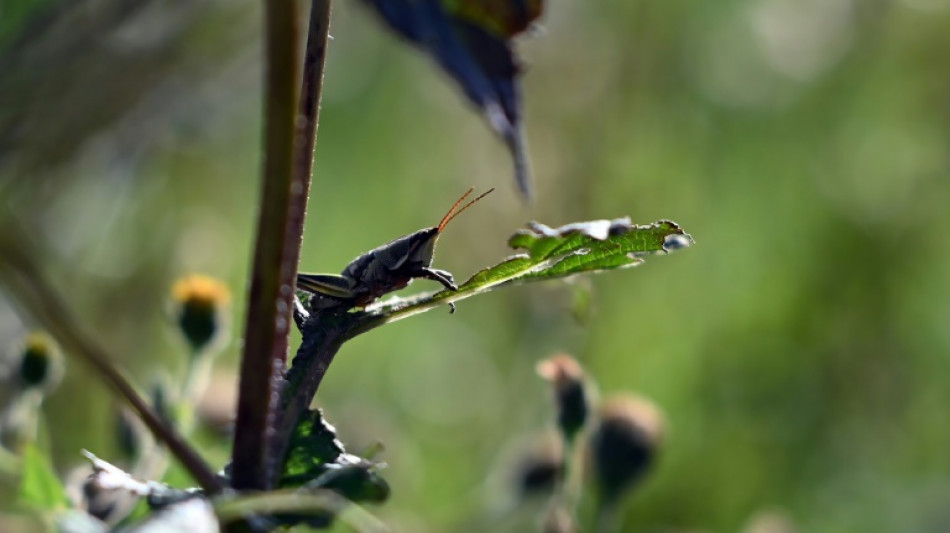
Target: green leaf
[547, 253]
[316, 459]
[40, 488]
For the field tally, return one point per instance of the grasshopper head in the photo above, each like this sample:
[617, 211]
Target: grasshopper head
[420, 246]
[423, 245]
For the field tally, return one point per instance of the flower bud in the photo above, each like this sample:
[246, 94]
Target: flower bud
[40, 365]
[539, 466]
[570, 392]
[557, 519]
[771, 520]
[623, 444]
[200, 309]
[128, 431]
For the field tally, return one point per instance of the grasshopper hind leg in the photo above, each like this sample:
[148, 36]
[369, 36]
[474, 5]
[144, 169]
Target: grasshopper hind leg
[326, 284]
[327, 291]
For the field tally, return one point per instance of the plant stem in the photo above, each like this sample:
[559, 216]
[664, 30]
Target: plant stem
[289, 146]
[33, 292]
[275, 256]
[309, 109]
[323, 334]
[310, 94]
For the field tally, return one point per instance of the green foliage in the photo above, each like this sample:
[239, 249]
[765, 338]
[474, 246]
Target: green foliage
[40, 488]
[316, 459]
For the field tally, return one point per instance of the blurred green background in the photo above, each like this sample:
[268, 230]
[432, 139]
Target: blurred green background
[800, 351]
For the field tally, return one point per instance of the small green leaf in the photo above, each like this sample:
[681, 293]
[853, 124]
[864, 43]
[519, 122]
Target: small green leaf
[316, 459]
[547, 253]
[40, 488]
[312, 445]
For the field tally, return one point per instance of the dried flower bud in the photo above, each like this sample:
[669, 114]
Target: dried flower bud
[624, 443]
[570, 392]
[539, 466]
[200, 309]
[557, 519]
[40, 364]
[770, 521]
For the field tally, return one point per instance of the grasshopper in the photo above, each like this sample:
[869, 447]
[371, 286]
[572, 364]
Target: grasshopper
[387, 268]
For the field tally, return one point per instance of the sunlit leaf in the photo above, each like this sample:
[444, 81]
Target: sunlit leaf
[471, 41]
[40, 488]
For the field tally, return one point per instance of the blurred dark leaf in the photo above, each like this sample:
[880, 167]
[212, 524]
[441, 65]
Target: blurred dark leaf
[471, 41]
[505, 18]
[317, 460]
[40, 488]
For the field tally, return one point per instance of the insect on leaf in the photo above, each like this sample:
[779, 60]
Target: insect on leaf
[548, 253]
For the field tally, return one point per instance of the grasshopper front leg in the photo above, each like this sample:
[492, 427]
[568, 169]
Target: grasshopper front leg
[442, 276]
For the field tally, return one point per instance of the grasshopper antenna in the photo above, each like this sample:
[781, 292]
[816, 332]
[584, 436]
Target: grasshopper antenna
[448, 216]
[453, 213]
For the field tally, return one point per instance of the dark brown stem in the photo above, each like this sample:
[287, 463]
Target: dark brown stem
[23, 275]
[275, 254]
[282, 221]
[304, 142]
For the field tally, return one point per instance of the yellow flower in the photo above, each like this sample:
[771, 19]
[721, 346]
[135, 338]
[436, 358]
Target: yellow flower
[201, 304]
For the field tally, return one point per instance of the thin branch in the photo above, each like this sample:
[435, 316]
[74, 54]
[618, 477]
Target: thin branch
[311, 91]
[274, 262]
[323, 334]
[32, 291]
